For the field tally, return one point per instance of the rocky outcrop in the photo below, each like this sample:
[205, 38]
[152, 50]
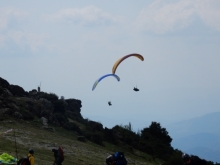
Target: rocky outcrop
[44, 121]
[7, 92]
[17, 90]
[74, 109]
[4, 83]
[33, 92]
[12, 89]
[48, 107]
[74, 105]
[16, 102]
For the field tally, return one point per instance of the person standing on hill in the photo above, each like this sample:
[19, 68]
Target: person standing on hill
[31, 156]
[58, 155]
[29, 160]
[109, 160]
[117, 158]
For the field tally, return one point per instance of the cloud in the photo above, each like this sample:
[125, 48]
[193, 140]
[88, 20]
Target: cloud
[89, 15]
[34, 41]
[23, 39]
[10, 14]
[209, 12]
[12, 30]
[161, 18]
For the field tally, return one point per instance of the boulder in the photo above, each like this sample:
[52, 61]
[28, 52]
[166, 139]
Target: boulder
[44, 121]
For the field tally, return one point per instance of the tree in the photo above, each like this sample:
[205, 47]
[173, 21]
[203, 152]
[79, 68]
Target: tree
[157, 140]
[157, 131]
[128, 127]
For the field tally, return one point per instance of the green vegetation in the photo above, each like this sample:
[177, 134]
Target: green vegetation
[29, 134]
[84, 141]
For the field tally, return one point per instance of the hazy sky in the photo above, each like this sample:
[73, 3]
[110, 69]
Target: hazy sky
[65, 46]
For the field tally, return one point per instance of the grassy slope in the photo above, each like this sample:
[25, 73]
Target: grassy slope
[32, 135]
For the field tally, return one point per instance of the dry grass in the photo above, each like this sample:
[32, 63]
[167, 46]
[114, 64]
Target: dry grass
[32, 135]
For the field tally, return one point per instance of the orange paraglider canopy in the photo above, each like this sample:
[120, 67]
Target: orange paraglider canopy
[123, 58]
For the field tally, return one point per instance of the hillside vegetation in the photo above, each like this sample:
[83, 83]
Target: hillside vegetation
[43, 121]
[30, 134]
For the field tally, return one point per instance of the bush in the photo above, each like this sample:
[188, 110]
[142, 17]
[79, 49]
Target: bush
[72, 127]
[74, 116]
[26, 115]
[52, 97]
[87, 134]
[81, 138]
[126, 134]
[61, 118]
[97, 138]
[174, 159]
[94, 126]
[109, 136]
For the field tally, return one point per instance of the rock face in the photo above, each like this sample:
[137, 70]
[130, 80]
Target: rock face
[44, 121]
[17, 90]
[16, 102]
[12, 89]
[74, 105]
[4, 83]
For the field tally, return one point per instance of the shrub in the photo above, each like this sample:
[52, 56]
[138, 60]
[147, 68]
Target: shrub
[174, 159]
[52, 97]
[61, 118]
[72, 127]
[81, 138]
[94, 126]
[97, 138]
[26, 115]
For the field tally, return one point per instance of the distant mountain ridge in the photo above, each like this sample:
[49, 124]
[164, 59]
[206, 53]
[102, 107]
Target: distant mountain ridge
[198, 136]
[204, 124]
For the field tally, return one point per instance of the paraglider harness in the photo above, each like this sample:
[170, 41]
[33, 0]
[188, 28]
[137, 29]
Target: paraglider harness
[136, 89]
[119, 158]
[24, 161]
[109, 103]
[59, 155]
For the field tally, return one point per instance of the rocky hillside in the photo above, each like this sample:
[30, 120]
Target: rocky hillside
[43, 121]
[27, 105]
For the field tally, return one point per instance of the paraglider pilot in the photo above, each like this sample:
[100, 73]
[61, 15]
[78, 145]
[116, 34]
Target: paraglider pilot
[31, 156]
[58, 155]
[136, 89]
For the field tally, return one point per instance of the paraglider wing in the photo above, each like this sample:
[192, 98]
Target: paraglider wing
[123, 58]
[97, 81]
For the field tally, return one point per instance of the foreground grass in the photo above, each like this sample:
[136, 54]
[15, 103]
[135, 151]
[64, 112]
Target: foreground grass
[27, 135]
